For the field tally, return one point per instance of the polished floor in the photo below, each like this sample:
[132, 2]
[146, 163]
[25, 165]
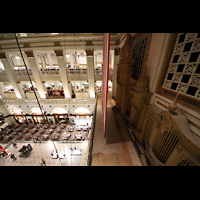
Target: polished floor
[117, 148]
[43, 151]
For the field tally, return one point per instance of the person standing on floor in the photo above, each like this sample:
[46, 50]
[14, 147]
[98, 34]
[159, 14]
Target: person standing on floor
[43, 161]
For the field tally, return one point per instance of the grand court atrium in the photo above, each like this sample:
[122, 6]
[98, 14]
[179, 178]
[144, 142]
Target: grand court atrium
[50, 99]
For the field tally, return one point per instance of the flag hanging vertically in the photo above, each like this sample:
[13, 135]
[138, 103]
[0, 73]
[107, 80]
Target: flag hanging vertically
[105, 75]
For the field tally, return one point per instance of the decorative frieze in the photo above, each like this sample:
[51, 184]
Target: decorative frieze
[89, 43]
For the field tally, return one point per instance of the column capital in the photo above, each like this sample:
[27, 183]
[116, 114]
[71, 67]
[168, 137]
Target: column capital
[29, 53]
[89, 52]
[2, 55]
[58, 52]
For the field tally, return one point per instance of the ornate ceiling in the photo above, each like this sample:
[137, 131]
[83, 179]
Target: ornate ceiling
[53, 41]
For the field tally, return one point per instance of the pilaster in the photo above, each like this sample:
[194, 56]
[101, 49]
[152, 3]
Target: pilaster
[140, 98]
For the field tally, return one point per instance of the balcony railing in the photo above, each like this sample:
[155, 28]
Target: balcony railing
[22, 72]
[17, 72]
[99, 72]
[77, 72]
[50, 72]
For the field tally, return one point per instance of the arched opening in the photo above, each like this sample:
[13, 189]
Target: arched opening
[37, 115]
[18, 115]
[57, 110]
[82, 116]
[15, 110]
[81, 111]
[35, 110]
[60, 115]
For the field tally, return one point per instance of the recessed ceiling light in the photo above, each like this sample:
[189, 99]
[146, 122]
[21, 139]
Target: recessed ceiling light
[23, 34]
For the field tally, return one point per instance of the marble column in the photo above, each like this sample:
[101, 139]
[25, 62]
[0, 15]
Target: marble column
[31, 58]
[63, 73]
[90, 71]
[9, 68]
[50, 62]
[2, 90]
[71, 60]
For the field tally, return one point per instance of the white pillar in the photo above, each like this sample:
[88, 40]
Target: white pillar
[95, 60]
[112, 58]
[71, 60]
[8, 66]
[20, 85]
[77, 60]
[43, 62]
[90, 71]
[75, 87]
[63, 72]
[2, 90]
[30, 56]
[50, 62]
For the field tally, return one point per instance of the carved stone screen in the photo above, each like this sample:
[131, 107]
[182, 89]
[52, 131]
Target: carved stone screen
[183, 75]
[140, 53]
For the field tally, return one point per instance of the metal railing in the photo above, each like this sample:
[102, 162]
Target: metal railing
[90, 142]
[50, 72]
[77, 72]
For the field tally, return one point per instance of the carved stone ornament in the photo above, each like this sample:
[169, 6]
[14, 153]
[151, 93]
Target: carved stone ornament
[124, 78]
[137, 104]
[89, 43]
[57, 44]
[127, 49]
[166, 120]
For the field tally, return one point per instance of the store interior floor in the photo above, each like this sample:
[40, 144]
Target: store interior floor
[117, 148]
[43, 151]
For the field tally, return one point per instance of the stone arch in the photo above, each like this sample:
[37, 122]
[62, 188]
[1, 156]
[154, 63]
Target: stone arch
[82, 109]
[15, 110]
[56, 110]
[35, 109]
